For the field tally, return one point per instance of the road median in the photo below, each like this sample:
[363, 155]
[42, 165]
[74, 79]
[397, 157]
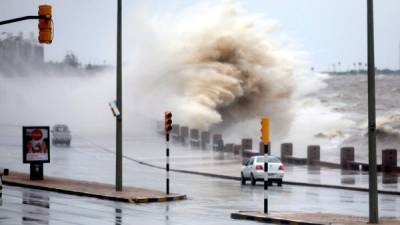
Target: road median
[90, 189]
[299, 218]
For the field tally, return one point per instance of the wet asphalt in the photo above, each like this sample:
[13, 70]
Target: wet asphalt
[210, 200]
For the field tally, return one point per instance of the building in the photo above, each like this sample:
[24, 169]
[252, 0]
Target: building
[17, 50]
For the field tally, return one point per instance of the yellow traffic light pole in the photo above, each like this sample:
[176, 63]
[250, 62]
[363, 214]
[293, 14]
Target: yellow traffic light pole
[265, 141]
[45, 23]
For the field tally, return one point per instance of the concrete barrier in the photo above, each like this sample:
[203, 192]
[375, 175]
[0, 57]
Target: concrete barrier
[247, 145]
[389, 160]
[175, 133]
[195, 138]
[219, 149]
[346, 156]
[286, 150]
[313, 154]
[228, 147]
[184, 135]
[215, 141]
[205, 140]
[237, 149]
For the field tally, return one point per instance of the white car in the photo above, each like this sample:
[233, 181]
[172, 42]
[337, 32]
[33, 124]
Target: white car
[253, 170]
[61, 134]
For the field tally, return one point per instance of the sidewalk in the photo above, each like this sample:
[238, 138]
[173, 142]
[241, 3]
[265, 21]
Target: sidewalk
[91, 189]
[297, 218]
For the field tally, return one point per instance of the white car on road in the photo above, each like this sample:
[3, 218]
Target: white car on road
[253, 170]
[61, 134]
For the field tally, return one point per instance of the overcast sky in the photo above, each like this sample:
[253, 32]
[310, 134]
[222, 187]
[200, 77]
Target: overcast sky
[329, 30]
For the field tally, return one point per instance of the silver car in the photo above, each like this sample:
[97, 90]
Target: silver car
[61, 134]
[253, 170]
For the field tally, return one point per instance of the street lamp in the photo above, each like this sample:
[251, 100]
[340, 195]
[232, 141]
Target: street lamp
[118, 169]
[373, 191]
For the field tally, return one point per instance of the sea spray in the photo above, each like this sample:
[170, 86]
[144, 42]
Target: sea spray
[227, 69]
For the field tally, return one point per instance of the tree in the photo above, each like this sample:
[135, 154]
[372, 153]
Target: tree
[71, 60]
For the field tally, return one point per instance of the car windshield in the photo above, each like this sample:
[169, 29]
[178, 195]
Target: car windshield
[61, 129]
[271, 159]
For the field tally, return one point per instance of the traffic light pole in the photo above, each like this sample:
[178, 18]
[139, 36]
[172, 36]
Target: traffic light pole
[266, 182]
[265, 140]
[373, 191]
[167, 162]
[118, 171]
[22, 19]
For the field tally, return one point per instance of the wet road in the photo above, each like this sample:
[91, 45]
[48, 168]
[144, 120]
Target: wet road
[210, 200]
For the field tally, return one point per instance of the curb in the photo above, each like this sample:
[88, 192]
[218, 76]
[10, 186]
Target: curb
[270, 219]
[104, 197]
[161, 199]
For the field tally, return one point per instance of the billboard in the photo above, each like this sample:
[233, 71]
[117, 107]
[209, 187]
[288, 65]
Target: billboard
[36, 144]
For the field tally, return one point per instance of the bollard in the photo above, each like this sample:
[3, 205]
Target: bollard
[313, 154]
[346, 156]
[389, 160]
[220, 149]
[228, 147]
[215, 139]
[175, 133]
[247, 144]
[237, 149]
[286, 150]
[205, 139]
[220, 145]
[194, 138]
[184, 135]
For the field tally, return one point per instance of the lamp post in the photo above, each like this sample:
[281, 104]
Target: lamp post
[118, 171]
[373, 192]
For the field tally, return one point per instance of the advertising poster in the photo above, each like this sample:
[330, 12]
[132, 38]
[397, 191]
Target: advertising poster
[36, 144]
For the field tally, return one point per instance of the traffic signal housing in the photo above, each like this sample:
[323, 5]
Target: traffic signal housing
[265, 130]
[168, 122]
[45, 24]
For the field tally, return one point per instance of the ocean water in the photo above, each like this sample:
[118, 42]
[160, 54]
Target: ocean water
[347, 95]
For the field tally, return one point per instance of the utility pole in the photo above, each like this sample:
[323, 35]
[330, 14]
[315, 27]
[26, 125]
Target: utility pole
[373, 191]
[118, 171]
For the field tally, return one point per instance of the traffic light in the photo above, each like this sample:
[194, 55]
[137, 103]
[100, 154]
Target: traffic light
[168, 122]
[45, 24]
[265, 130]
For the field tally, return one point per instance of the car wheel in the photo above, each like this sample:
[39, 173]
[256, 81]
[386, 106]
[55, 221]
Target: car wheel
[269, 182]
[280, 182]
[253, 180]
[243, 179]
